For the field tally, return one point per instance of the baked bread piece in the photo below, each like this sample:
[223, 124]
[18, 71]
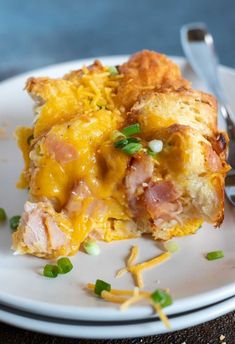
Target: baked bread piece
[81, 185]
[197, 157]
[180, 190]
[161, 109]
[147, 71]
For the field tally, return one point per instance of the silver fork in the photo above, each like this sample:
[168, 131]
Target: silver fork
[198, 46]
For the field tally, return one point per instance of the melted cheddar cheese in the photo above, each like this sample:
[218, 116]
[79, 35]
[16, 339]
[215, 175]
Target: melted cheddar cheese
[81, 184]
[72, 142]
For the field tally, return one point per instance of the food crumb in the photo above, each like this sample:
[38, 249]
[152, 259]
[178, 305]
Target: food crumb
[222, 337]
[3, 133]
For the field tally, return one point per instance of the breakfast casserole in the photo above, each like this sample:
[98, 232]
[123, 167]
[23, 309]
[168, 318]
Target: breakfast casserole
[116, 152]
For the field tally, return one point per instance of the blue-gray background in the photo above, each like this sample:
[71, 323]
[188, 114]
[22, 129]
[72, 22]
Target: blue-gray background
[37, 33]
[34, 33]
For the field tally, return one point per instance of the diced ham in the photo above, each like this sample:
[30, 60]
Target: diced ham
[35, 237]
[78, 193]
[157, 199]
[160, 192]
[41, 233]
[140, 171]
[160, 200]
[62, 151]
[57, 238]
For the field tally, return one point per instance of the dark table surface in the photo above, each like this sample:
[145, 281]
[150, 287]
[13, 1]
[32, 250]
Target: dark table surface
[38, 33]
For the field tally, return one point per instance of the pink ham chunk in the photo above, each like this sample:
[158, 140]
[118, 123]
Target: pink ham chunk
[62, 151]
[39, 231]
[156, 200]
[140, 171]
[161, 200]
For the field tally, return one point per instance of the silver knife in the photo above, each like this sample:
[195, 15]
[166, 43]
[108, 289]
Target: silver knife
[198, 46]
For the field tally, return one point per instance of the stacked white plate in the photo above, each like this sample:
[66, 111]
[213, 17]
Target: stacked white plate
[202, 290]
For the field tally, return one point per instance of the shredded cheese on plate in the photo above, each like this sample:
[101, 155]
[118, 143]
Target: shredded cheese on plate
[136, 270]
[129, 297]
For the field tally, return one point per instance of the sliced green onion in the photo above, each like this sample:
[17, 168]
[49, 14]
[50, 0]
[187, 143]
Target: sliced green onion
[113, 70]
[162, 298]
[14, 222]
[121, 143]
[171, 246]
[124, 142]
[29, 139]
[100, 286]
[156, 146]
[215, 255]
[133, 139]
[117, 135]
[132, 129]
[91, 248]
[3, 215]
[50, 271]
[64, 265]
[151, 153]
[132, 148]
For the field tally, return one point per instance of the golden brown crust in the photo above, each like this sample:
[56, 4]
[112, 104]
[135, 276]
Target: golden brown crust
[166, 107]
[207, 166]
[220, 143]
[219, 187]
[148, 71]
[216, 163]
[43, 88]
[75, 76]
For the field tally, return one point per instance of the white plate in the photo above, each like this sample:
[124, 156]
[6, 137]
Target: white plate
[193, 281]
[78, 329]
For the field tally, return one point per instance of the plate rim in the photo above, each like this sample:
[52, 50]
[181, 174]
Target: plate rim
[127, 330]
[138, 312]
[113, 314]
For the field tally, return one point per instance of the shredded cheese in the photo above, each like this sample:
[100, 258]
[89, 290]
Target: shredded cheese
[97, 89]
[108, 296]
[136, 291]
[138, 278]
[156, 307]
[121, 272]
[91, 286]
[133, 255]
[161, 314]
[150, 263]
[136, 270]
[130, 261]
[131, 301]
[129, 297]
[136, 295]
